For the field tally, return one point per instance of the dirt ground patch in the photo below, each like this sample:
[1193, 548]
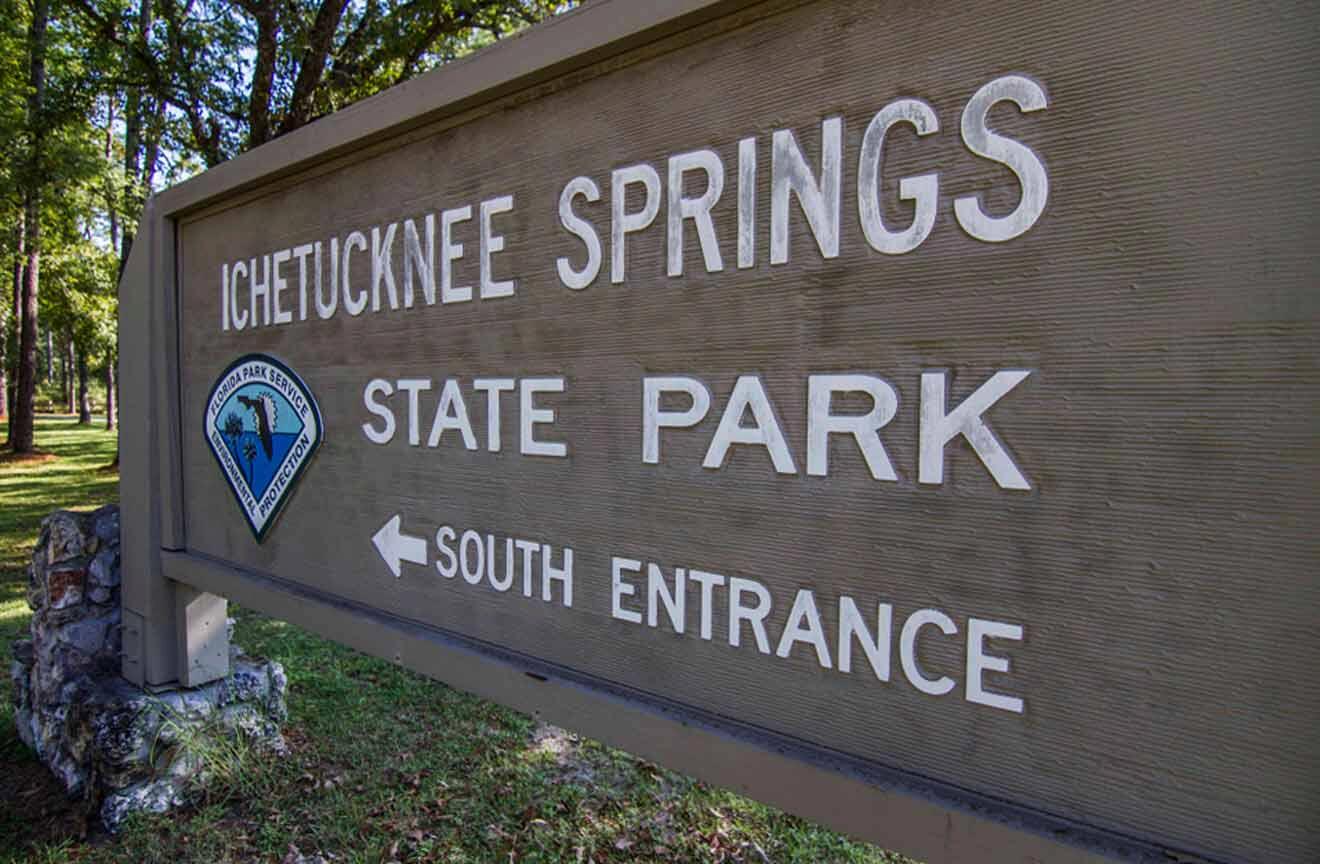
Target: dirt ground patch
[34, 806]
[36, 457]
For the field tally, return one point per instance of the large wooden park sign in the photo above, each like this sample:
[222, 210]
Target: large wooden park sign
[906, 414]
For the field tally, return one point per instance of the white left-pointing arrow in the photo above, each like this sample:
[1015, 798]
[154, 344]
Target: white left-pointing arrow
[396, 547]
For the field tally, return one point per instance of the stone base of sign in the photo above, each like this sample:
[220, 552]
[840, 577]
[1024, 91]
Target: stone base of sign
[118, 747]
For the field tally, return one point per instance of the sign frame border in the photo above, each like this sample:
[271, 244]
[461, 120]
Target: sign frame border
[931, 820]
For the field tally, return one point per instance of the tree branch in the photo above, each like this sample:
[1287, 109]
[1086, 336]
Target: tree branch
[315, 57]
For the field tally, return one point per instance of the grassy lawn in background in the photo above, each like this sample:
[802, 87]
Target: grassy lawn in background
[385, 765]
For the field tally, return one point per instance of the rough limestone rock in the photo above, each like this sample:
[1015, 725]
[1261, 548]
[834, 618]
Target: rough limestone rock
[120, 748]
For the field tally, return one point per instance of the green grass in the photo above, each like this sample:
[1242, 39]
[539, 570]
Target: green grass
[387, 765]
[76, 478]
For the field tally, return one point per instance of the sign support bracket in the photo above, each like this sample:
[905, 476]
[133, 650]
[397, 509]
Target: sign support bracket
[172, 634]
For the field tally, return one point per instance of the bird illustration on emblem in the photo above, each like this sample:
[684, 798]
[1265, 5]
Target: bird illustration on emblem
[266, 412]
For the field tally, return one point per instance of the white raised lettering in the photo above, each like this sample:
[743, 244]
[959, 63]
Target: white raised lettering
[353, 306]
[748, 393]
[382, 267]
[740, 612]
[922, 190]
[530, 416]
[490, 243]
[1028, 96]
[583, 230]
[978, 663]
[865, 428]
[790, 175]
[620, 589]
[378, 387]
[451, 252]
[697, 209]
[622, 222]
[938, 428]
[653, 419]
[907, 650]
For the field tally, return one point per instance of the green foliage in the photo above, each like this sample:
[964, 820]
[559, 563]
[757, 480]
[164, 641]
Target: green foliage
[237, 73]
[51, 399]
[79, 296]
[13, 102]
[76, 64]
[390, 41]
[68, 173]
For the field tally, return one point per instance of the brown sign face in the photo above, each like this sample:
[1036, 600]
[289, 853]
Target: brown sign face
[932, 390]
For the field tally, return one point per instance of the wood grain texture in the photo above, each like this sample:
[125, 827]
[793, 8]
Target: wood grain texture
[1164, 564]
[147, 487]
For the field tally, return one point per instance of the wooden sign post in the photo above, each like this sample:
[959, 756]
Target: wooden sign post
[903, 414]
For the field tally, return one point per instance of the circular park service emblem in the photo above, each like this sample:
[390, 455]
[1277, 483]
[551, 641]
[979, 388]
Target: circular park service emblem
[263, 425]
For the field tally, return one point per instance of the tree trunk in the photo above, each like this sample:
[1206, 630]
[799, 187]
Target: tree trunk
[71, 365]
[263, 72]
[110, 390]
[50, 356]
[22, 432]
[65, 372]
[151, 150]
[8, 350]
[111, 193]
[84, 398]
[320, 41]
[133, 125]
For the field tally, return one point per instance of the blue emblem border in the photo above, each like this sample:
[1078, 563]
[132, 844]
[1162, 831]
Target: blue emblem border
[260, 533]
